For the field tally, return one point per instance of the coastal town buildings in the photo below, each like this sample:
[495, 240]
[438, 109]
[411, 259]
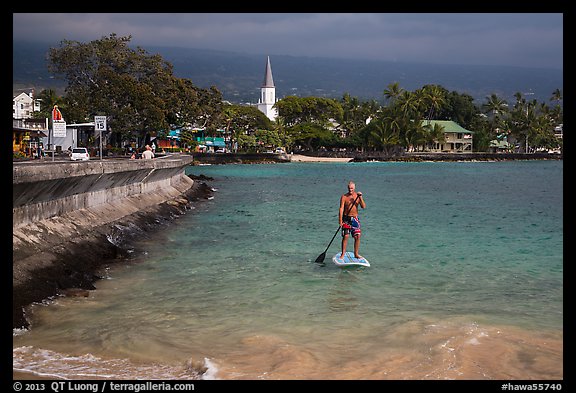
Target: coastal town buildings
[26, 131]
[24, 104]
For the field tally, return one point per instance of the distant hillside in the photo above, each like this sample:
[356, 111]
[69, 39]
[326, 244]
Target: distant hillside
[30, 68]
[239, 76]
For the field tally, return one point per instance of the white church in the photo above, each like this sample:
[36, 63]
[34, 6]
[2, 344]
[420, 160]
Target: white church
[268, 94]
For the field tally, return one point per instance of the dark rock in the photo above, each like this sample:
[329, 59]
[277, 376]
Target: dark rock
[59, 263]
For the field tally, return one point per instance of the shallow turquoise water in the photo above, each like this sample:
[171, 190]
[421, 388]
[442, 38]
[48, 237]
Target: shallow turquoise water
[464, 246]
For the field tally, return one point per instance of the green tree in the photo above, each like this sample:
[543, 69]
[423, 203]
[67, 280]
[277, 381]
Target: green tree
[210, 109]
[307, 120]
[49, 98]
[355, 114]
[247, 142]
[556, 112]
[294, 110]
[311, 135]
[382, 136]
[556, 95]
[482, 133]
[497, 111]
[107, 77]
[433, 98]
[183, 101]
[432, 134]
[137, 91]
[393, 91]
[267, 138]
[459, 108]
[532, 124]
[243, 120]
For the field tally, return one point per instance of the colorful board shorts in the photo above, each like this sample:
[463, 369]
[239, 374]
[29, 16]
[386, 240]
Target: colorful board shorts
[351, 225]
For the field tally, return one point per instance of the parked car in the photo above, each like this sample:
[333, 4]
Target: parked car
[80, 153]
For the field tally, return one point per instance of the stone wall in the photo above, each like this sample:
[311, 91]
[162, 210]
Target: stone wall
[51, 189]
[71, 219]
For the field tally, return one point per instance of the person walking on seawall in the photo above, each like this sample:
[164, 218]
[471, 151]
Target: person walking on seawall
[147, 154]
[350, 222]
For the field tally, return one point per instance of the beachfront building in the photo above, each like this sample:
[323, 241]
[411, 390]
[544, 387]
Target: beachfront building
[26, 131]
[27, 135]
[23, 105]
[456, 138]
[268, 94]
[77, 135]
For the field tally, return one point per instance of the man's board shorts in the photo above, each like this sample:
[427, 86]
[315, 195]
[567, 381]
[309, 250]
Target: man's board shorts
[350, 225]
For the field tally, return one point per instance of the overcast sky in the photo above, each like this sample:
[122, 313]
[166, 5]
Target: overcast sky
[522, 39]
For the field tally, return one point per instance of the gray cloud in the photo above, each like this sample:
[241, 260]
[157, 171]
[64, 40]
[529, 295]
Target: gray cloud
[523, 39]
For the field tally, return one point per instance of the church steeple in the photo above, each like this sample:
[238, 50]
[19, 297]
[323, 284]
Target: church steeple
[268, 81]
[268, 94]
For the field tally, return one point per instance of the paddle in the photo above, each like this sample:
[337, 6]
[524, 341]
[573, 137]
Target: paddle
[321, 257]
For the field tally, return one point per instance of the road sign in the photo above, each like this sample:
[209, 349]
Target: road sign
[100, 123]
[59, 129]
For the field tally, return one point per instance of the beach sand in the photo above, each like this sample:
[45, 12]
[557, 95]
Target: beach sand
[302, 158]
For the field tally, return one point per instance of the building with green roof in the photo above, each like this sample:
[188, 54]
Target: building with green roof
[456, 137]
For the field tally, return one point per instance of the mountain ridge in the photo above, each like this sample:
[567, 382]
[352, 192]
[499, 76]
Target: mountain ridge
[239, 75]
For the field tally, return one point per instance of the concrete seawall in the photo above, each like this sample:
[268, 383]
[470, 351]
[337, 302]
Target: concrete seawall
[70, 220]
[53, 189]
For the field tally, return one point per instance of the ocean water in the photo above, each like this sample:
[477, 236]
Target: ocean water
[466, 281]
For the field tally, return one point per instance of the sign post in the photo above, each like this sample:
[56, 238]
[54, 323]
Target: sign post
[58, 128]
[100, 125]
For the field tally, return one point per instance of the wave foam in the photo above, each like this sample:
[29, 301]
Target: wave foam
[51, 364]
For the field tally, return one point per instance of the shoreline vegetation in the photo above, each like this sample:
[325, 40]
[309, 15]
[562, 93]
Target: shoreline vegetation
[343, 156]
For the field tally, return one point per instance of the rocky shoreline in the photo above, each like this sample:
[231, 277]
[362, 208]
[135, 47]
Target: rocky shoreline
[65, 263]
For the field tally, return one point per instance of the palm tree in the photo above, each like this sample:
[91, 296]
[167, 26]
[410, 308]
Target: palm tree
[350, 114]
[557, 110]
[522, 119]
[393, 91]
[49, 98]
[414, 135]
[497, 108]
[383, 136]
[433, 96]
[408, 103]
[495, 105]
[434, 134]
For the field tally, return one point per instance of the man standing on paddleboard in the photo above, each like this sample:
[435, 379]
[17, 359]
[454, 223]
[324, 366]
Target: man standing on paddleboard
[349, 222]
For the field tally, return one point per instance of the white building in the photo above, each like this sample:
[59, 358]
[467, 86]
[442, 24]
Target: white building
[23, 105]
[268, 94]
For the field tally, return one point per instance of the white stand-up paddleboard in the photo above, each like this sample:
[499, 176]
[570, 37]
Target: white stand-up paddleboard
[349, 260]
